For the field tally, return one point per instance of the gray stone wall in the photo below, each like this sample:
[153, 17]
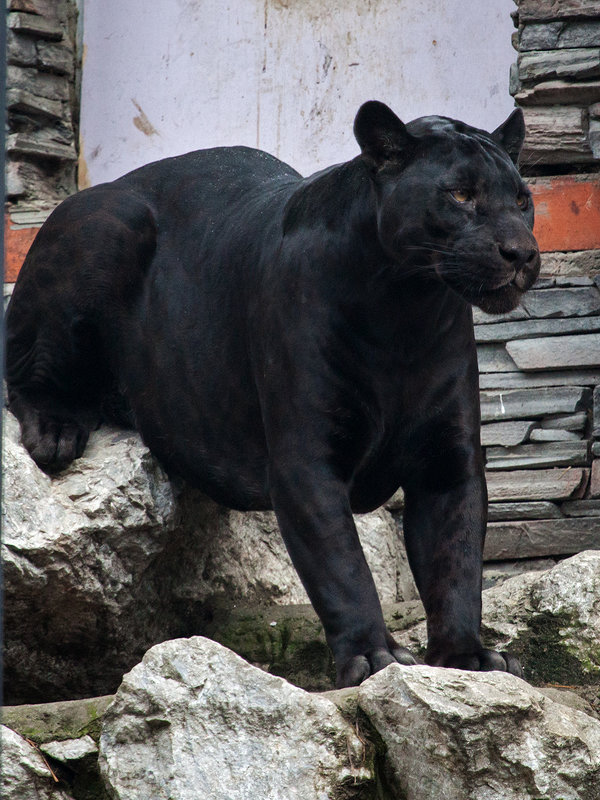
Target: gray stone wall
[540, 364]
[540, 404]
[42, 106]
[556, 80]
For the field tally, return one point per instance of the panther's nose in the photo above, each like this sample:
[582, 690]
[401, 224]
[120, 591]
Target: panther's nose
[518, 256]
[521, 256]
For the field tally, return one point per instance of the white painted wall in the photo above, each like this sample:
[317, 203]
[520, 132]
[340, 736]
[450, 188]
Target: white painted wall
[165, 77]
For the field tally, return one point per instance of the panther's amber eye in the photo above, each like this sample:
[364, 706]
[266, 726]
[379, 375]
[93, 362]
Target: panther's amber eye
[460, 195]
[522, 201]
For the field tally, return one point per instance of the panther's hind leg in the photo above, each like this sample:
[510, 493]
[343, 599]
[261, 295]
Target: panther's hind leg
[75, 288]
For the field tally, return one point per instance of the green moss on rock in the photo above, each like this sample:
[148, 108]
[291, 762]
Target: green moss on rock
[284, 640]
[289, 640]
[55, 722]
[548, 658]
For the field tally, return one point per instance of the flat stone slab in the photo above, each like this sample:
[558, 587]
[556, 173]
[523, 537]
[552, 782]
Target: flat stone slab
[581, 508]
[566, 422]
[499, 512]
[539, 454]
[555, 135]
[576, 62]
[540, 538]
[506, 433]
[555, 352]
[537, 484]
[531, 380]
[494, 358]
[554, 35]
[543, 10]
[532, 403]
[553, 435]
[535, 328]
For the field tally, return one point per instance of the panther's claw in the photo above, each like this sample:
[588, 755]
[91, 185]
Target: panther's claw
[482, 660]
[359, 668]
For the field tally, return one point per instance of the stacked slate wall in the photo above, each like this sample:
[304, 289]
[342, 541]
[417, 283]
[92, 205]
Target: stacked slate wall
[540, 407]
[42, 107]
[540, 364]
[556, 80]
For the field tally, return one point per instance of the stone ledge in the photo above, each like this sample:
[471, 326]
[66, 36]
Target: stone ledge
[22, 144]
[55, 722]
[30, 103]
[34, 25]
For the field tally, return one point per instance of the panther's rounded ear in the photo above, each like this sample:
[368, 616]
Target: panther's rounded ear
[511, 134]
[382, 136]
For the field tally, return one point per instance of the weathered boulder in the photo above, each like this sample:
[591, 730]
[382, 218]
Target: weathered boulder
[195, 720]
[82, 595]
[66, 734]
[550, 619]
[479, 736]
[244, 558]
[25, 773]
[110, 557]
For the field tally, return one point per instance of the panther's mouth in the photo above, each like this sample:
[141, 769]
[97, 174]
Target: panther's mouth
[495, 288]
[507, 296]
[495, 299]
[500, 300]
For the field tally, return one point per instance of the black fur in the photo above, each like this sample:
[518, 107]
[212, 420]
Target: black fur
[298, 344]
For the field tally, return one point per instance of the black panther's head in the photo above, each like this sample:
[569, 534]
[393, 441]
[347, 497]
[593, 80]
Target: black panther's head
[450, 199]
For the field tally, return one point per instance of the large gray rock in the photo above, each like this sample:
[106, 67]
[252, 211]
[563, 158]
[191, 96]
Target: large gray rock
[25, 774]
[245, 558]
[83, 595]
[550, 619]
[479, 736]
[110, 557]
[195, 720]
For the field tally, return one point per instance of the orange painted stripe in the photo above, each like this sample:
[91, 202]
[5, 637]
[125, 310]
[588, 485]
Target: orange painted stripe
[17, 242]
[567, 213]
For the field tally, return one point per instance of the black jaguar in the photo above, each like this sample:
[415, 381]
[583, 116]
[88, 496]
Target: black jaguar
[301, 344]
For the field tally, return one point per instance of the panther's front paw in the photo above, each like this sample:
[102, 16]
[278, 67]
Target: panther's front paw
[52, 434]
[53, 442]
[358, 668]
[481, 660]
